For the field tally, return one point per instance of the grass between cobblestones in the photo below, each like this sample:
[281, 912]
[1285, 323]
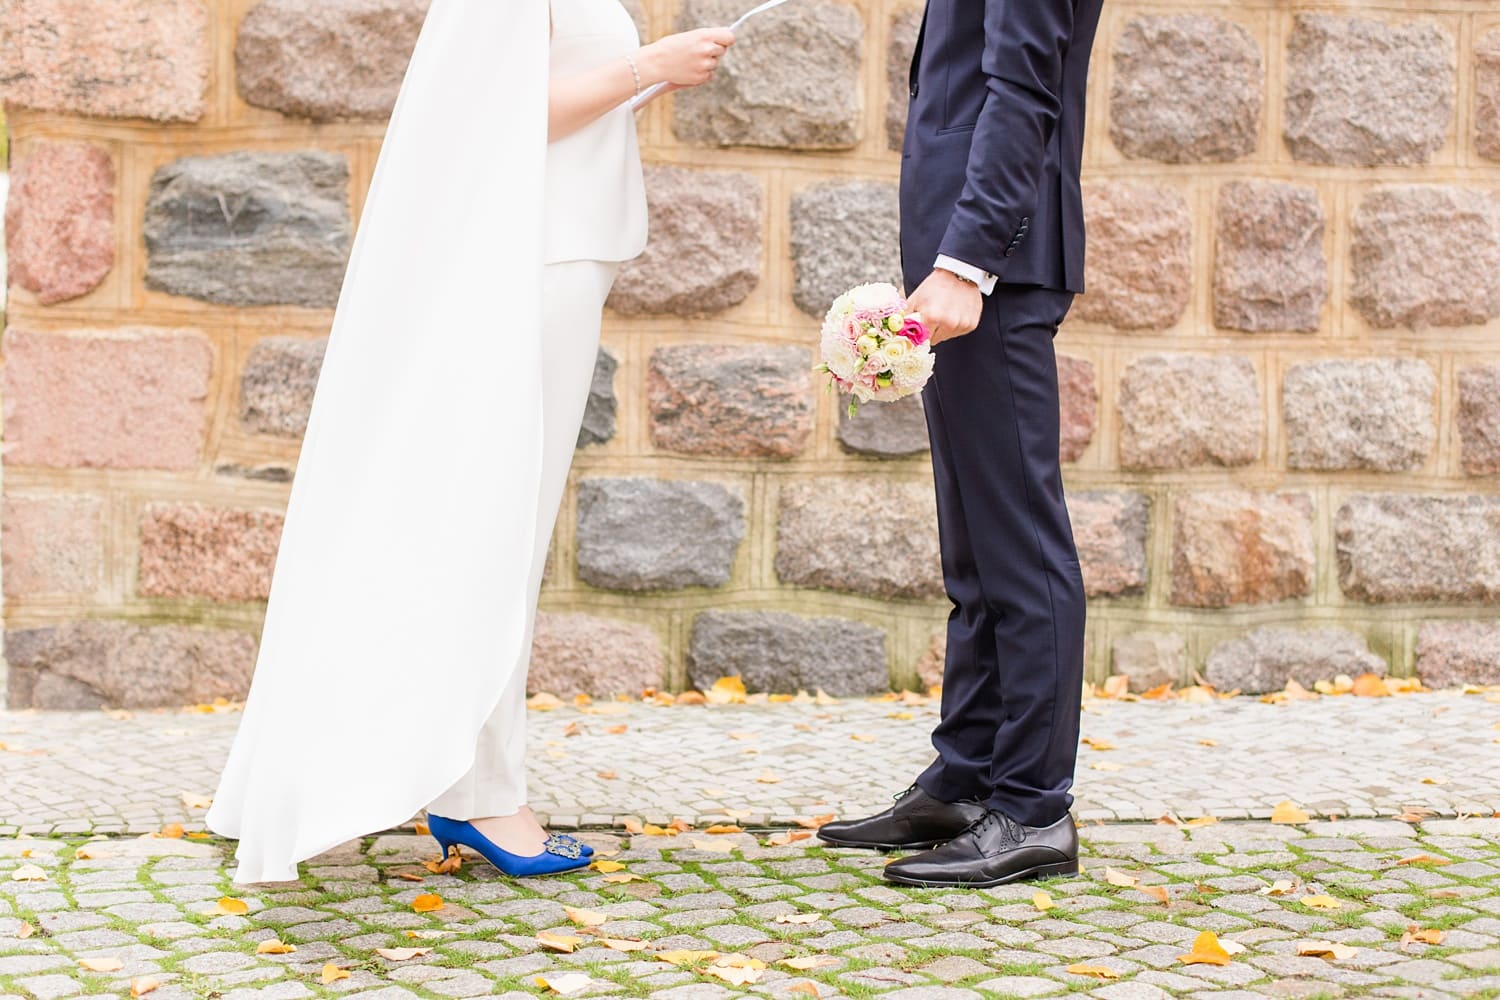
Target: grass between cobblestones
[143, 902]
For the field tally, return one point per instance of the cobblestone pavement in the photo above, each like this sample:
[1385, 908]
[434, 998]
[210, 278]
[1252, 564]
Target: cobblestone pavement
[1399, 911]
[72, 773]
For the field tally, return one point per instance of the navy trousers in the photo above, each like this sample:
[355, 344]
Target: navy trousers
[1014, 672]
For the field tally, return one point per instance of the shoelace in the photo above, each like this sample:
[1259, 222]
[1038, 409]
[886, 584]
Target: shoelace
[1014, 832]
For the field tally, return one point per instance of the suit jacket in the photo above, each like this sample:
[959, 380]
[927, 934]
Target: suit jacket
[994, 139]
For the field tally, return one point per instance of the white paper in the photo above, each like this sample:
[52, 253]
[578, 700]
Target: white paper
[651, 92]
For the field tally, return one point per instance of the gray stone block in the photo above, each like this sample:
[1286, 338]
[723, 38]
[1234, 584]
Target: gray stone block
[250, 229]
[1265, 659]
[1400, 548]
[785, 653]
[860, 536]
[843, 234]
[792, 81]
[650, 534]
[885, 430]
[599, 414]
[1378, 414]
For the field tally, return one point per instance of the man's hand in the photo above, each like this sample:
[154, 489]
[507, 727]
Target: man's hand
[950, 306]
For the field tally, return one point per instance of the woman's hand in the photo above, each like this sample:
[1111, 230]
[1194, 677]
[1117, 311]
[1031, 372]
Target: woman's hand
[687, 59]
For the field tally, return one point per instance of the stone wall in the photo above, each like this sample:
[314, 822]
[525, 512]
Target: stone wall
[1281, 394]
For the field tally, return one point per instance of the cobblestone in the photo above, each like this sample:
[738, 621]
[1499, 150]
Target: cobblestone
[142, 901]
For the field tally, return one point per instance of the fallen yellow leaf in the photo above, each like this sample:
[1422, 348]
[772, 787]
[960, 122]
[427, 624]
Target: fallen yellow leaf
[1326, 949]
[29, 873]
[1369, 686]
[544, 702]
[723, 828]
[558, 942]
[1105, 765]
[454, 861]
[1097, 971]
[767, 778]
[1121, 879]
[620, 878]
[585, 918]
[25, 930]
[601, 865]
[401, 954]
[813, 822]
[172, 831]
[566, 984]
[275, 946]
[1321, 902]
[786, 837]
[428, 902]
[680, 957]
[192, 800]
[726, 691]
[101, 964]
[1281, 887]
[1096, 744]
[332, 973]
[228, 906]
[1157, 892]
[139, 987]
[713, 846]
[862, 737]
[1424, 859]
[625, 944]
[422, 829]
[1206, 951]
[806, 962]
[798, 918]
[1426, 935]
[737, 970]
[1288, 811]
[1042, 901]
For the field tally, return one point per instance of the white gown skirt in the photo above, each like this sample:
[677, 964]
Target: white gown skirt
[573, 295]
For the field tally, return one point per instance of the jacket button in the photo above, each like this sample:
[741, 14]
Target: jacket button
[1010, 251]
[914, 89]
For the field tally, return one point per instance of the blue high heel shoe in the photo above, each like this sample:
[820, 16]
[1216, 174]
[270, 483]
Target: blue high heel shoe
[561, 853]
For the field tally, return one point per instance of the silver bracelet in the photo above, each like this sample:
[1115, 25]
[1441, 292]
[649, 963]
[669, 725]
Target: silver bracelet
[636, 72]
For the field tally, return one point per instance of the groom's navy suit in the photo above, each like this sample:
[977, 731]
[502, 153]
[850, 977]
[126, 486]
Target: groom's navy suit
[990, 178]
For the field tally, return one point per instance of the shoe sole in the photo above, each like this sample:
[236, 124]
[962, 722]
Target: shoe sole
[1040, 871]
[925, 845]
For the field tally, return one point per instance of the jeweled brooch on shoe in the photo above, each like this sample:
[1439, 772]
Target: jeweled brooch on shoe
[563, 846]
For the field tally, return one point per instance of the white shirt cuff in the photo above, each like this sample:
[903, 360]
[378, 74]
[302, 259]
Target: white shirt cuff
[985, 280]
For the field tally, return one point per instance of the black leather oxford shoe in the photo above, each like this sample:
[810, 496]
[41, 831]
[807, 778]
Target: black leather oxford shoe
[917, 821]
[994, 851]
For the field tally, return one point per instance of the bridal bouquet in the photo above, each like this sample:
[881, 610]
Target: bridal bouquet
[874, 347]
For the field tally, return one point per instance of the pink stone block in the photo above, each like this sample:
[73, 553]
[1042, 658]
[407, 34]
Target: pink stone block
[122, 399]
[1078, 394]
[60, 220]
[195, 551]
[107, 58]
[52, 545]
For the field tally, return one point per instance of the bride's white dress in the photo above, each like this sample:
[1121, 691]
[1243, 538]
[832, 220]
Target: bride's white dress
[400, 606]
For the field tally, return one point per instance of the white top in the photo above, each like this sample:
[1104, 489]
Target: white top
[596, 195]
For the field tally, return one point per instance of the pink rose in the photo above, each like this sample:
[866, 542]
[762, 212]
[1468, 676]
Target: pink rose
[915, 331]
